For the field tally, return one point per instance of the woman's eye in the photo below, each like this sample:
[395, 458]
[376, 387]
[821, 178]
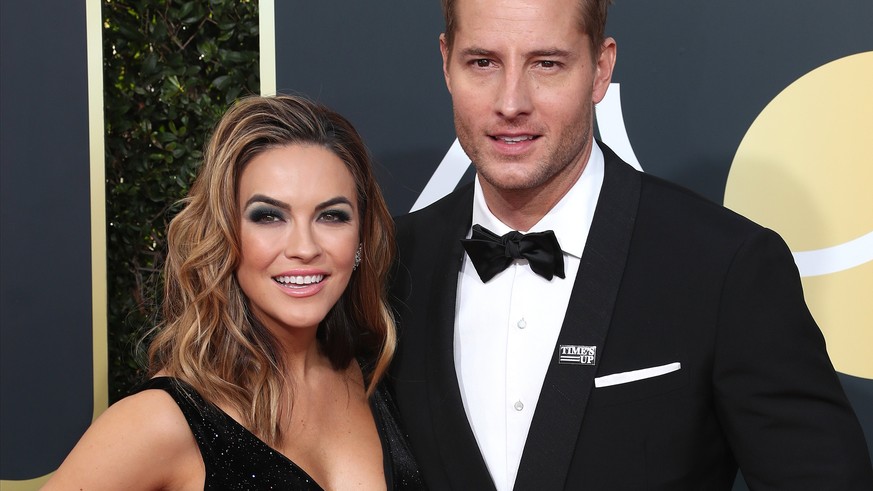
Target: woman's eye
[335, 216]
[264, 215]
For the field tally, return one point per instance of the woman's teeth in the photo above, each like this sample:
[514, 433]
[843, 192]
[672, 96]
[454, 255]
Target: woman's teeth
[299, 280]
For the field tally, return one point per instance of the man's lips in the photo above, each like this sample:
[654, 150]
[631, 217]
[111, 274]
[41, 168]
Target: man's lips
[513, 144]
[514, 139]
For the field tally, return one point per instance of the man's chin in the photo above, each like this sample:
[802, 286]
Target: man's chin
[522, 177]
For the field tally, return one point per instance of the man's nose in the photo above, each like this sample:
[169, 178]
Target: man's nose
[514, 94]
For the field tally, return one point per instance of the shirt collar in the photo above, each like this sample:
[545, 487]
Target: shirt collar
[570, 218]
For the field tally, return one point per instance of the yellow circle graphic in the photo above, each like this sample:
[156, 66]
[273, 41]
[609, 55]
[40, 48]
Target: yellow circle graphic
[805, 169]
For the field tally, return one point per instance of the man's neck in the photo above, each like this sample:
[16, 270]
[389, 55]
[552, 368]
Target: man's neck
[521, 209]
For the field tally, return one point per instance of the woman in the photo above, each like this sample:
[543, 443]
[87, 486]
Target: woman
[275, 327]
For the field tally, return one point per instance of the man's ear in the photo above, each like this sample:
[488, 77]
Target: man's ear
[603, 73]
[444, 50]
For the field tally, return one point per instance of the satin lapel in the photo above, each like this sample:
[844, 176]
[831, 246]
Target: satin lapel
[458, 448]
[554, 430]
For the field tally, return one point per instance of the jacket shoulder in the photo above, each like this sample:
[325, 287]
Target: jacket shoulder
[669, 202]
[432, 218]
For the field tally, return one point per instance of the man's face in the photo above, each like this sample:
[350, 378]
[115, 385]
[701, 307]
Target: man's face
[524, 83]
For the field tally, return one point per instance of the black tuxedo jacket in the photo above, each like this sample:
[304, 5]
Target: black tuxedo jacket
[665, 277]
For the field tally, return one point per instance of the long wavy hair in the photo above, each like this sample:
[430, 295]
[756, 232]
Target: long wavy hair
[207, 335]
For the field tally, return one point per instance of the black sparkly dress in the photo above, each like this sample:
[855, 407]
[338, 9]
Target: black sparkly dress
[236, 459]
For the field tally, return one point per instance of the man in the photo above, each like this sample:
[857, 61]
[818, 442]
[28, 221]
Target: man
[664, 343]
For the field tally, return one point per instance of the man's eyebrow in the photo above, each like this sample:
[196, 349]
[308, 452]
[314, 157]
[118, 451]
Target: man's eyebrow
[260, 198]
[474, 51]
[543, 53]
[550, 53]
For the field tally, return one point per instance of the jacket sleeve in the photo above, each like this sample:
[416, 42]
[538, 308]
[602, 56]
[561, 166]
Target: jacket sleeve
[776, 392]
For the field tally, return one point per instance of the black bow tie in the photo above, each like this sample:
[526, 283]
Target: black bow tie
[492, 254]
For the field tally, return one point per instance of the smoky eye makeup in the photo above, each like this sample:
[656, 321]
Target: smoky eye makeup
[335, 215]
[264, 214]
[336, 210]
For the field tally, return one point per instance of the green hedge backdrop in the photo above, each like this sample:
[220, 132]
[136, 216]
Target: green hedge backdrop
[170, 70]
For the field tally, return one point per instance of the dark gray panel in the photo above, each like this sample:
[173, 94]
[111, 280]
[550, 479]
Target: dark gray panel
[46, 393]
[377, 63]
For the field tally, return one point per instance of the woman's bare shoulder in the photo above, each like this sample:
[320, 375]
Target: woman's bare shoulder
[141, 442]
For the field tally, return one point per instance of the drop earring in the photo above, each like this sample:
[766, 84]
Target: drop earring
[358, 256]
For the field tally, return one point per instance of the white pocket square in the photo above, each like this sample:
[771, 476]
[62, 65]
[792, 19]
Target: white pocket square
[634, 375]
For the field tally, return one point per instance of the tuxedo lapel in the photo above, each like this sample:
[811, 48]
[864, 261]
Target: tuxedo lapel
[554, 430]
[458, 448]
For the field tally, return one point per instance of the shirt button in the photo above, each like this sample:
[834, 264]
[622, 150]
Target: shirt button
[518, 405]
[522, 323]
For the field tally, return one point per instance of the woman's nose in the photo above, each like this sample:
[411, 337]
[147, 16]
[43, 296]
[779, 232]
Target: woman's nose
[302, 243]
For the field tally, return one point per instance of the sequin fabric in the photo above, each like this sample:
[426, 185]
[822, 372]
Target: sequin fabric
[236, 459]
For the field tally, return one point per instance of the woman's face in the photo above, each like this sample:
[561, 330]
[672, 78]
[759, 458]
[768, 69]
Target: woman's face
[299, 230]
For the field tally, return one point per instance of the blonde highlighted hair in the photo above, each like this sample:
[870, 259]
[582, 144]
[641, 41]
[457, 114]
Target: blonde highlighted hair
[207, 335]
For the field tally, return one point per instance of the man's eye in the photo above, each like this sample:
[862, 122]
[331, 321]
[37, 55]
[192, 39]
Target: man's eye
[483, 63]
[548, 64]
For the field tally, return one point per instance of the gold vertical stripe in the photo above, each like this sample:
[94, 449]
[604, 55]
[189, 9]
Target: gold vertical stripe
[96, 143]
[267, 28]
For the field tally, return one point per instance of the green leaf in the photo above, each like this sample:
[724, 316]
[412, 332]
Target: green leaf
[221, 82]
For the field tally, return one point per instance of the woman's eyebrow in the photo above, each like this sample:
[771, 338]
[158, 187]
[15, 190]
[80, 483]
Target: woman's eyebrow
[339, 200]
[260, 198]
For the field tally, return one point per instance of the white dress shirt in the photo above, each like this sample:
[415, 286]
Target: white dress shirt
[506, 329]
